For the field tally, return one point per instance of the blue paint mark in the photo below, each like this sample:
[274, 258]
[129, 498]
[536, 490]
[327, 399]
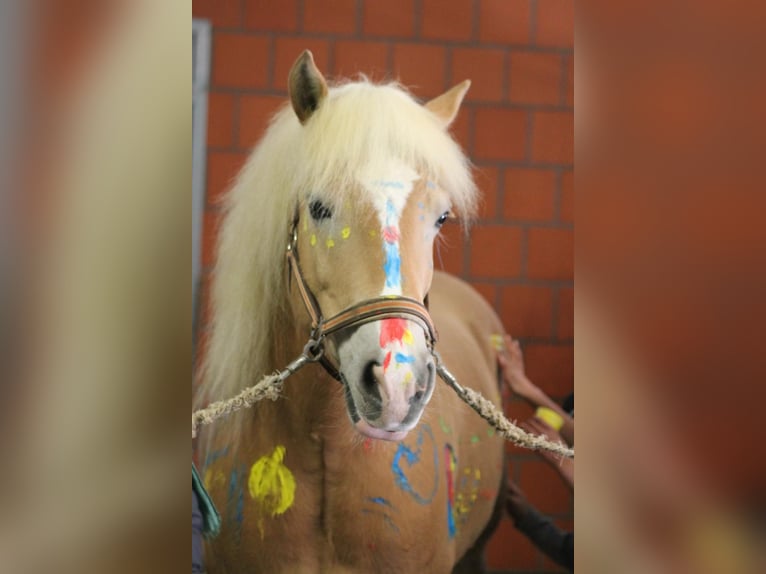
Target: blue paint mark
[422, 218]
[392, 266]
[386, 518]
[402, 358]
[450, 464]
[393, 263]
[412, 457]
[381, 501]
[235, 503]
[430, 185]
[421, 205]
[213, 456]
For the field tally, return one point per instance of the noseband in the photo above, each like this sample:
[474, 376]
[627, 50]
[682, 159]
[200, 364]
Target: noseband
[367, 311]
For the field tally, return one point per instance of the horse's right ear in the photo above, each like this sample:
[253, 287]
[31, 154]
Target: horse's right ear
[307, 86]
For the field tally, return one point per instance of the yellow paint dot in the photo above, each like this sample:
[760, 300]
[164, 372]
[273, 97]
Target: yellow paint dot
[496, 341]
[346, 232]
[313, 240]
[330, 244]
[407, 337]
[373, 233]
[408, 378]
[271, 484]
[477, 474]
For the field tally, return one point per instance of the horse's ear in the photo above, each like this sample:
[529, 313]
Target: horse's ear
[447, 105]
[307, 86]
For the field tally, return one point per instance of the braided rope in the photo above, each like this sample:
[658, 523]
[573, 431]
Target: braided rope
[489, 412]
[270, 387]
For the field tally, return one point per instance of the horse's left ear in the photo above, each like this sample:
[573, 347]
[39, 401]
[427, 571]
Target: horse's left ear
[307, 86]
[447, 105]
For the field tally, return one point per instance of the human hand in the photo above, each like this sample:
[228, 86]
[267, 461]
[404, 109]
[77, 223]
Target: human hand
[564, 466]
[511, 363]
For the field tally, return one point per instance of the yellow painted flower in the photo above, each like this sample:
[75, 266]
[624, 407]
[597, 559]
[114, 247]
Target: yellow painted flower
[271, 484]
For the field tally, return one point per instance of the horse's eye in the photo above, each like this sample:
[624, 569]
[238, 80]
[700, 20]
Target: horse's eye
[319, 210]
[443, 219]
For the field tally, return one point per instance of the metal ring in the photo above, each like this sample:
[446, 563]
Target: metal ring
[314, 350]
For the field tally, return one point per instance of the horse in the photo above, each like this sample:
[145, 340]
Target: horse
[365, 463]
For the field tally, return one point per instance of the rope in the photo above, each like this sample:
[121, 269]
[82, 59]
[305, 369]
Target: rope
[505, 428]
[270, 387]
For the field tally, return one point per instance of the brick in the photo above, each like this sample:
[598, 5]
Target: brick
[565, 319]
[421, 67]
[288, 50]
[389, 18]
[449, 249]
[535, 78]
[527, 311]
[221, 13]
[544, 488]
[569, 83]
[210, 224]
[220, 120]
[268, 15]
[500, 134]
[240, 61]
[485, 70]
[487, 179]
[567, 197]
[555, 23]
[509, 549]
[550, 254]
[529, 194]
[222, 167]
[369, 58]
[447, 19]
[495, 251]
[486, 290]
[553, 137]
[504, 21]
[255, 112]
[330, 16]
[461, 129]
[551, 367]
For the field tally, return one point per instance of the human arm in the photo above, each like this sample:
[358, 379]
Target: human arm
[514, 376]
[564, 466]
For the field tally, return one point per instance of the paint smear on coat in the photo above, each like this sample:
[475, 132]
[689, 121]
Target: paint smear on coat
[450, 465]
[271, 484]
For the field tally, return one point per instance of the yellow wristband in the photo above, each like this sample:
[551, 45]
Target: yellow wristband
[550, 417]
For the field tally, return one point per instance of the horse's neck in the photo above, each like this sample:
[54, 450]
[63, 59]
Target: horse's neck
[311, 396]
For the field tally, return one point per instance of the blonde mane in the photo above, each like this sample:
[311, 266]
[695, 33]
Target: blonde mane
[359, 128]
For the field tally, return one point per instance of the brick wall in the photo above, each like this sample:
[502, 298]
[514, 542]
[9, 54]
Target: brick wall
[517, 125]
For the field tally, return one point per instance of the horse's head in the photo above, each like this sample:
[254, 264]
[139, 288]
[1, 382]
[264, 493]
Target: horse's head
[367, 232]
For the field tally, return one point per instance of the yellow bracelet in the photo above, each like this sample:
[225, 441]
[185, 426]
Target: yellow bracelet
[550, 417]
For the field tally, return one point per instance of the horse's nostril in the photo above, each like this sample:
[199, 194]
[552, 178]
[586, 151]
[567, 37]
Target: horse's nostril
[417, 397]
[370, 381]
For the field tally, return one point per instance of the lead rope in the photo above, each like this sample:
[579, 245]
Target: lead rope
[489, 412]
[270, 387]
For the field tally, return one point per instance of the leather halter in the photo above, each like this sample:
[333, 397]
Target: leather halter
[367, 311]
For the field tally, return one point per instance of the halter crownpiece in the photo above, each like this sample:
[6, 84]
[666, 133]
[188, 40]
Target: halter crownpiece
[367, 311]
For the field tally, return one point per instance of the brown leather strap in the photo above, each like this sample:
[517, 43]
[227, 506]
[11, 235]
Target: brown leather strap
[382, 308]
[311, 304]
